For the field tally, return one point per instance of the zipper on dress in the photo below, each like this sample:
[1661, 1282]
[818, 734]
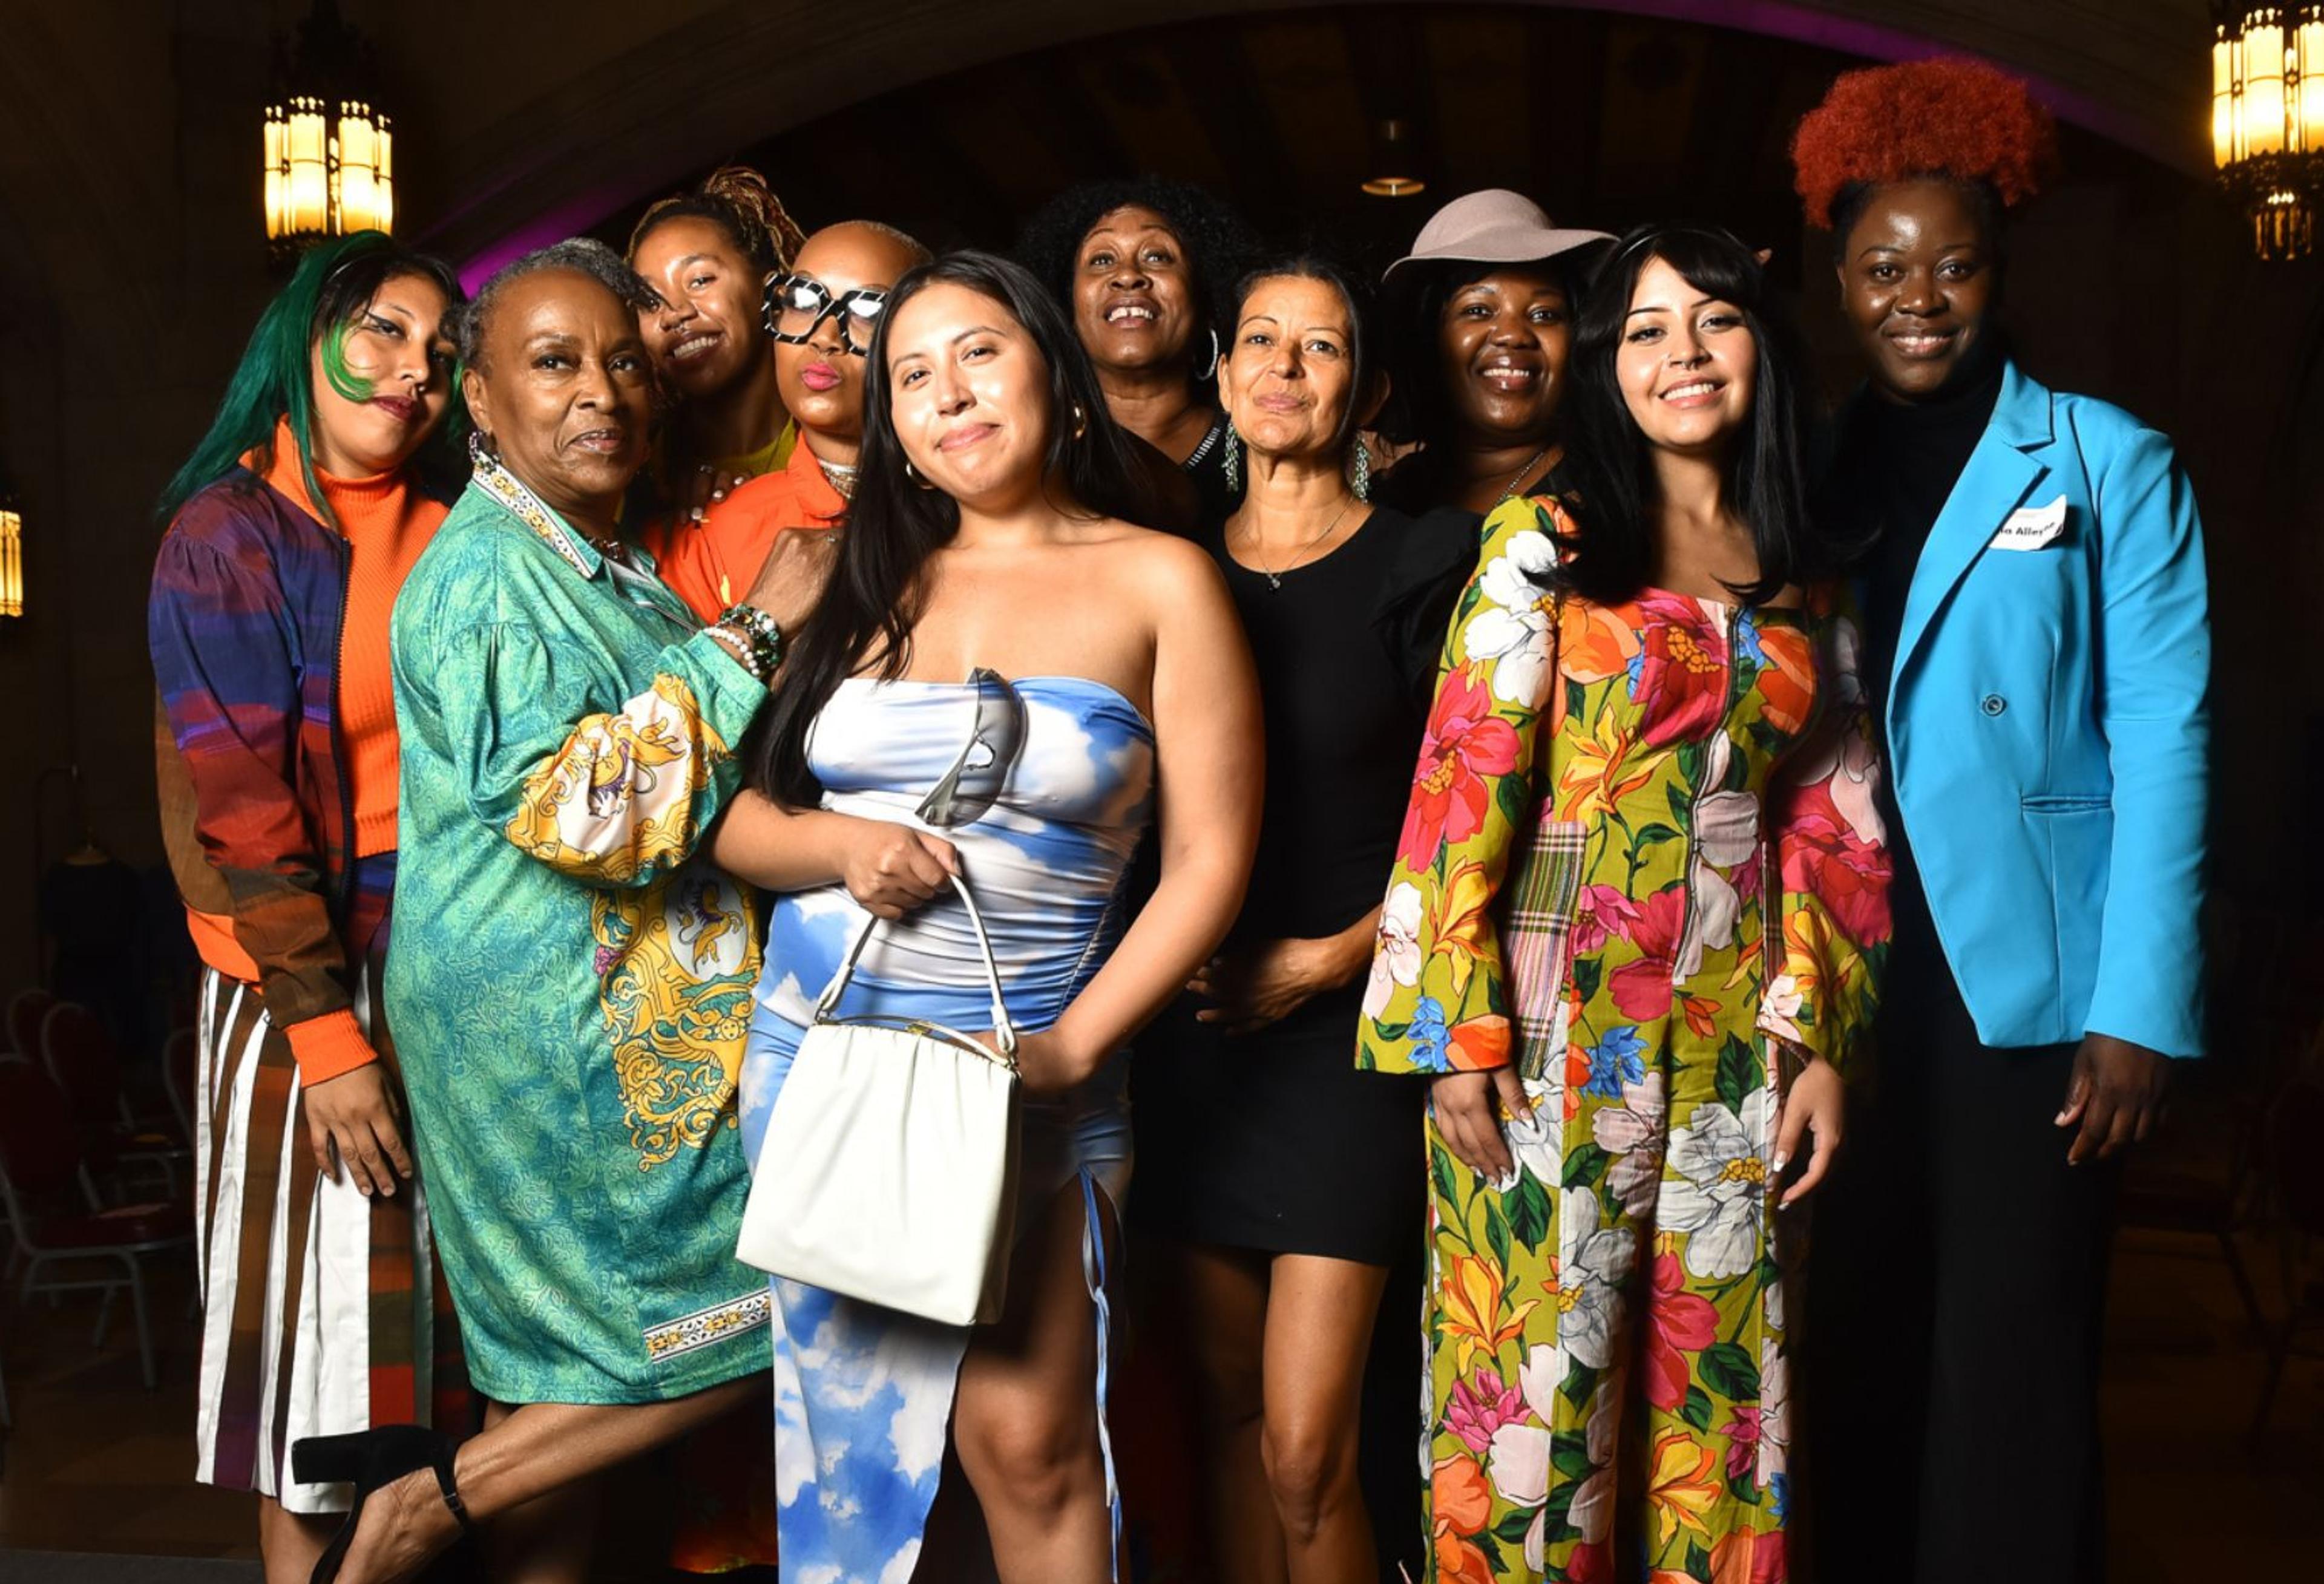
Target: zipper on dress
[1694, 807]
[342, 885]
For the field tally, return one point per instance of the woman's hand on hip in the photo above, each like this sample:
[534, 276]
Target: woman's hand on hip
[893, 868]
[1469, 1108]
[354, 1117]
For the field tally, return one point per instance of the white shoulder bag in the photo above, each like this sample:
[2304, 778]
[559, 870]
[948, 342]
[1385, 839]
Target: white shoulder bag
[888, 1168]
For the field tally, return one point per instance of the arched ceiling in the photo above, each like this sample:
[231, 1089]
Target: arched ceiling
[600, 109]
[1608, 119]
[522, 122]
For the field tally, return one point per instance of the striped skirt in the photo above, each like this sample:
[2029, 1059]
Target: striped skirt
[322, 1310]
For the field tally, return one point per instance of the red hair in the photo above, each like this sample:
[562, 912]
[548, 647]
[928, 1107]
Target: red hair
[1955, 119]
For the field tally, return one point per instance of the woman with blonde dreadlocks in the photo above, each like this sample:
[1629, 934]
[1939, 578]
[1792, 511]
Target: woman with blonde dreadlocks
[709, 254]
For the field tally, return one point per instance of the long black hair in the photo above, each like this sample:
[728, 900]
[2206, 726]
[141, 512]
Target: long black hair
[1612, 554]
[894, 524]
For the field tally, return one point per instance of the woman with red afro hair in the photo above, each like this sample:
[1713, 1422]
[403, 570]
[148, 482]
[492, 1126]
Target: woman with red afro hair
[2037, 628]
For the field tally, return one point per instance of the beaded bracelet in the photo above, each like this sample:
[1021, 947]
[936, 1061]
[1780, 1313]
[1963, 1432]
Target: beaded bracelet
[760, 632]
[737, 645]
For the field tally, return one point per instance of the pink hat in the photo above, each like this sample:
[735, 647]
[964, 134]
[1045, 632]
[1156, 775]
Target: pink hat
[1495, 227]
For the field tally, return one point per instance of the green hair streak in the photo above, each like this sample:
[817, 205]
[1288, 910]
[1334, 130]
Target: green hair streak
[273, 381]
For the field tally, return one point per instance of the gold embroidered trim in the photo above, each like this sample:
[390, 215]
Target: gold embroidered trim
[717, 1325]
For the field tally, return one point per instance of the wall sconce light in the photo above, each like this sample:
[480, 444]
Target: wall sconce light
[12, 557]
[329, 151]
[2267, 119]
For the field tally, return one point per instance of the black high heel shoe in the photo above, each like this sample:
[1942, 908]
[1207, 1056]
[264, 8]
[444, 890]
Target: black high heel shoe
[371, 1460]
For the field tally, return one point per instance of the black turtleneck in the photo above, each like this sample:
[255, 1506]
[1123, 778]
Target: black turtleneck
[1891, 473]
[1894, 469]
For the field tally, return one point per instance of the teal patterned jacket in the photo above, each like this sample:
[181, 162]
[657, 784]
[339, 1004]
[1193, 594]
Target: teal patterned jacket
[570, 983]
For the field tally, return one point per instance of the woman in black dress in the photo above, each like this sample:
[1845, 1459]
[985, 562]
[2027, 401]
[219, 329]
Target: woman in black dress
[1286, 1181]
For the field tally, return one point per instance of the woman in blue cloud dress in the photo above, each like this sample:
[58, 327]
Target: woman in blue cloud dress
[1007, 683]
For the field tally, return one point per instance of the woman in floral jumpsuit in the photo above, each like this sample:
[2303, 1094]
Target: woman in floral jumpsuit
[1640, 898]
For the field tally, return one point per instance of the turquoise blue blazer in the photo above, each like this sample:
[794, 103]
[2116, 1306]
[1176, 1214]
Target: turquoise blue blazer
[2050, 728]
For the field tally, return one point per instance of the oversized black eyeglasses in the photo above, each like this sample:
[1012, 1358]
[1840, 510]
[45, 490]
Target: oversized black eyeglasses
[796, 304]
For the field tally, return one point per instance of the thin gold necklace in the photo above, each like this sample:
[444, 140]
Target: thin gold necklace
[1518, 477]
[1273, 577]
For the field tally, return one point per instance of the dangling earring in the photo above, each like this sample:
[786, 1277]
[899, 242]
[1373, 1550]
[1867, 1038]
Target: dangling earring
[1211, 372]
[1230, 458]
[916, 478]
[481, 453]
[1360, 470]
[1081, 421]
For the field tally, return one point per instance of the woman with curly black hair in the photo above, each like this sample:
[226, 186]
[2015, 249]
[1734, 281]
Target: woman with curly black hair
[2037, 633]
[1145, 267]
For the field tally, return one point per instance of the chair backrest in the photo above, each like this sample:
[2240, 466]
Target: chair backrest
[24, 1015]
[40, 1147]
[2294, 1123]
[180, 1053]
[80, 1056]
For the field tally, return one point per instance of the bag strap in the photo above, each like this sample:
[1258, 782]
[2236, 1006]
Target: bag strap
[1004, 1032]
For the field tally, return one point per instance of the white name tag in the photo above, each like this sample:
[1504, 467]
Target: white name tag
[2032, 528]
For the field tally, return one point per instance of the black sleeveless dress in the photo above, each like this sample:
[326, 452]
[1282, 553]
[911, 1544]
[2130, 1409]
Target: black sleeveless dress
[1273, 1140]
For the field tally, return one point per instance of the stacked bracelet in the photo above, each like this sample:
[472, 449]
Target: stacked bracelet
[761, 636]
[737, 647]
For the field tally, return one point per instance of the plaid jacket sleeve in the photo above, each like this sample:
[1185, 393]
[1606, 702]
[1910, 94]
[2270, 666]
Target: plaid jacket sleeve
[223, 647]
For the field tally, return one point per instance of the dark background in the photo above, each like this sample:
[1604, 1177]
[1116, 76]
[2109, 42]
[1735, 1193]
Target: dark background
[132, 264]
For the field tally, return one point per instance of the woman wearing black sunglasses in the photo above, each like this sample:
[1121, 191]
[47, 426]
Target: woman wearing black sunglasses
[821, 314]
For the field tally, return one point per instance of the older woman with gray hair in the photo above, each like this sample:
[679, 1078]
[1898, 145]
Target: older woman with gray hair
[571, 992]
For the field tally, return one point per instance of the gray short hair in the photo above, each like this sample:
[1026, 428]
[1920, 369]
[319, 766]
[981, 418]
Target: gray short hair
[583, 255]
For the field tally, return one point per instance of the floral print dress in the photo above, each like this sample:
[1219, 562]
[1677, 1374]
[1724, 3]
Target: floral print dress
[1643, 862]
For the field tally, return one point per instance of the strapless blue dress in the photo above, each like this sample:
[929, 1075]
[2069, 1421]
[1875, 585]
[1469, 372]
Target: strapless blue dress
[1049, 784]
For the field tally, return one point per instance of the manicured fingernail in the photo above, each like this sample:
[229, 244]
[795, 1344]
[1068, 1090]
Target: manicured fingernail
[1782, 1161]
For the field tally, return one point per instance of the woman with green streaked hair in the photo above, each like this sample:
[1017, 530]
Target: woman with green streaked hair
[290, 532]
